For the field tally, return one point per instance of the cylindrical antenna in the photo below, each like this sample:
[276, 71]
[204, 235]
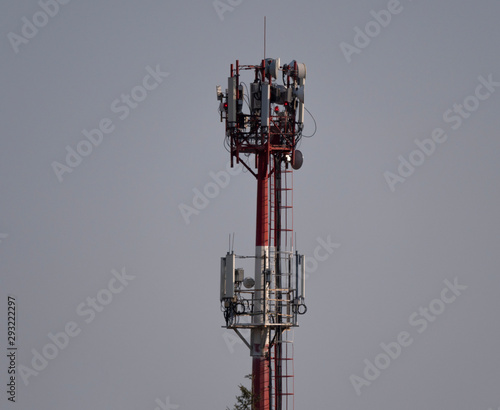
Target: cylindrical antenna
[264, 37]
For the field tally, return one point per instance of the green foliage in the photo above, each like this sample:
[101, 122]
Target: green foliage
[245, 399]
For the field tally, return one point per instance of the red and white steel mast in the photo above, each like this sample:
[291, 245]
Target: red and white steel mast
[269, 303]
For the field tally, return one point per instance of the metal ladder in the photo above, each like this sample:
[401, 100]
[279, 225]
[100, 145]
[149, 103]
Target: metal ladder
[281, 204]
[281, 241]
[281, 364]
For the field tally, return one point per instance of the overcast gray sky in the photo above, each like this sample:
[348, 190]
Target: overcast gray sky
[117, 293]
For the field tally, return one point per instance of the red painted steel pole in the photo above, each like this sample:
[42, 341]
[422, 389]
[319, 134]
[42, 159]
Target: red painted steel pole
[262, 228]
[259, 334]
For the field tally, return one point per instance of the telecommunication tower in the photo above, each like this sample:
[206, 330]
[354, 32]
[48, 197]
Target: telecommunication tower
[269, 303]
